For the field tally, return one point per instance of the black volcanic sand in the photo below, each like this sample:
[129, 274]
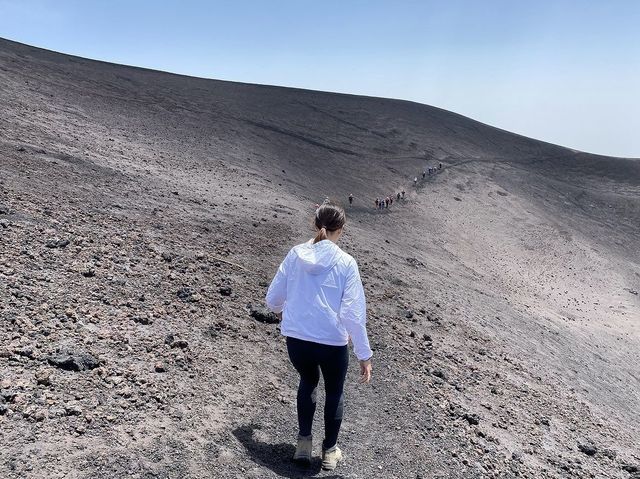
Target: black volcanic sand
[142, 215]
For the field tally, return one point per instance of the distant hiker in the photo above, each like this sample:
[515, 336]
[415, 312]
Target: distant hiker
[440, 166]
[398, 197]
[390, 200]
[326, 200]
[424, 173]
[350, 199]
[318, 291]
[415, 181]
[403, 193]
[377, 203]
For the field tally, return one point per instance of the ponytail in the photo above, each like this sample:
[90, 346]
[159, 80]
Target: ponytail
[322, 235]
[329, 217]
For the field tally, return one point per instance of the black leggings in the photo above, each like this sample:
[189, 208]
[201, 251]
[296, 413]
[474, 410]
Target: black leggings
[309, 359]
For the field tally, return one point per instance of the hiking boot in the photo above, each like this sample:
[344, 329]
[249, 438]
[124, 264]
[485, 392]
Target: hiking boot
[330, 458]
[303, 449]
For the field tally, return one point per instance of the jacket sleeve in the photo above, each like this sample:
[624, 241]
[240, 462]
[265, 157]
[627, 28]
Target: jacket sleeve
[277, 292]
[353, 313]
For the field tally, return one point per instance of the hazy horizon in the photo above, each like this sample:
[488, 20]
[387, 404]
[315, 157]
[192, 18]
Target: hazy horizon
[562, 72]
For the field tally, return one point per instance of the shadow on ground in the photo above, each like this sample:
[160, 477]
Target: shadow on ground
[277, 457]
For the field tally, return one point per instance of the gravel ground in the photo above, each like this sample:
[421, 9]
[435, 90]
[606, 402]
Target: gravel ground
[142, 215]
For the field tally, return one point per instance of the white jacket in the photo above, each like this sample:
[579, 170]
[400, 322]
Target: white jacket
[318, 289]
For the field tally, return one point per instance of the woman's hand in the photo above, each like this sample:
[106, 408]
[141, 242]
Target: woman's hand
[365, 371]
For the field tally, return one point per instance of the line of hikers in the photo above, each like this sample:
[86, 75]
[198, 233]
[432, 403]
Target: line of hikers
[432, 170]
[382, 203]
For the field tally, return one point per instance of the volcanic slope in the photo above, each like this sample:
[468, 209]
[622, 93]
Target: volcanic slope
[143, 214]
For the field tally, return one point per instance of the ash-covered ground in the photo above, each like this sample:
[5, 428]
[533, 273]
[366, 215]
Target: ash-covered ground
[143, 214]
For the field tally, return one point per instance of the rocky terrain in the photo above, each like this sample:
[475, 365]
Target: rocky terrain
[143, 214]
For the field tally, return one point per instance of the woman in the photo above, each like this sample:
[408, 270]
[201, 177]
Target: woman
[317, 289]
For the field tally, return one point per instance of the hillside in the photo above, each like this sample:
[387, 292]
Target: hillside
[142, 215]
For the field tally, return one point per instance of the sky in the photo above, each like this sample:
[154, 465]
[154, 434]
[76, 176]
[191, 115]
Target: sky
[562, 71]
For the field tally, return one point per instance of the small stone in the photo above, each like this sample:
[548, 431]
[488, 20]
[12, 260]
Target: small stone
[56, 411]
[180, 343]
[160, 367]
[588, 449]
[9, 396]
[115, 380]
[225, 291]
[57, 243]
[25, 352]
[73, 361]
[472, 419]
[185, 293]
[43, 377]
[145, 320]
[263, 315]
[439, 373]
[126, 392]
[89, 273]
[73, 410]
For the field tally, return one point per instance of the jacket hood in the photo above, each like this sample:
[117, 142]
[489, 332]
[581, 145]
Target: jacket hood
[318, 258]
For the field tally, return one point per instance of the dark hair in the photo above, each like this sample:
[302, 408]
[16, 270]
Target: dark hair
[329, 217]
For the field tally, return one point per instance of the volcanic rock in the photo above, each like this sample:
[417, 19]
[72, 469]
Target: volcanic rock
[57, 243]
[43, 377]
[73, 360]
[185, 294]
[263, 315]
[588, 449]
